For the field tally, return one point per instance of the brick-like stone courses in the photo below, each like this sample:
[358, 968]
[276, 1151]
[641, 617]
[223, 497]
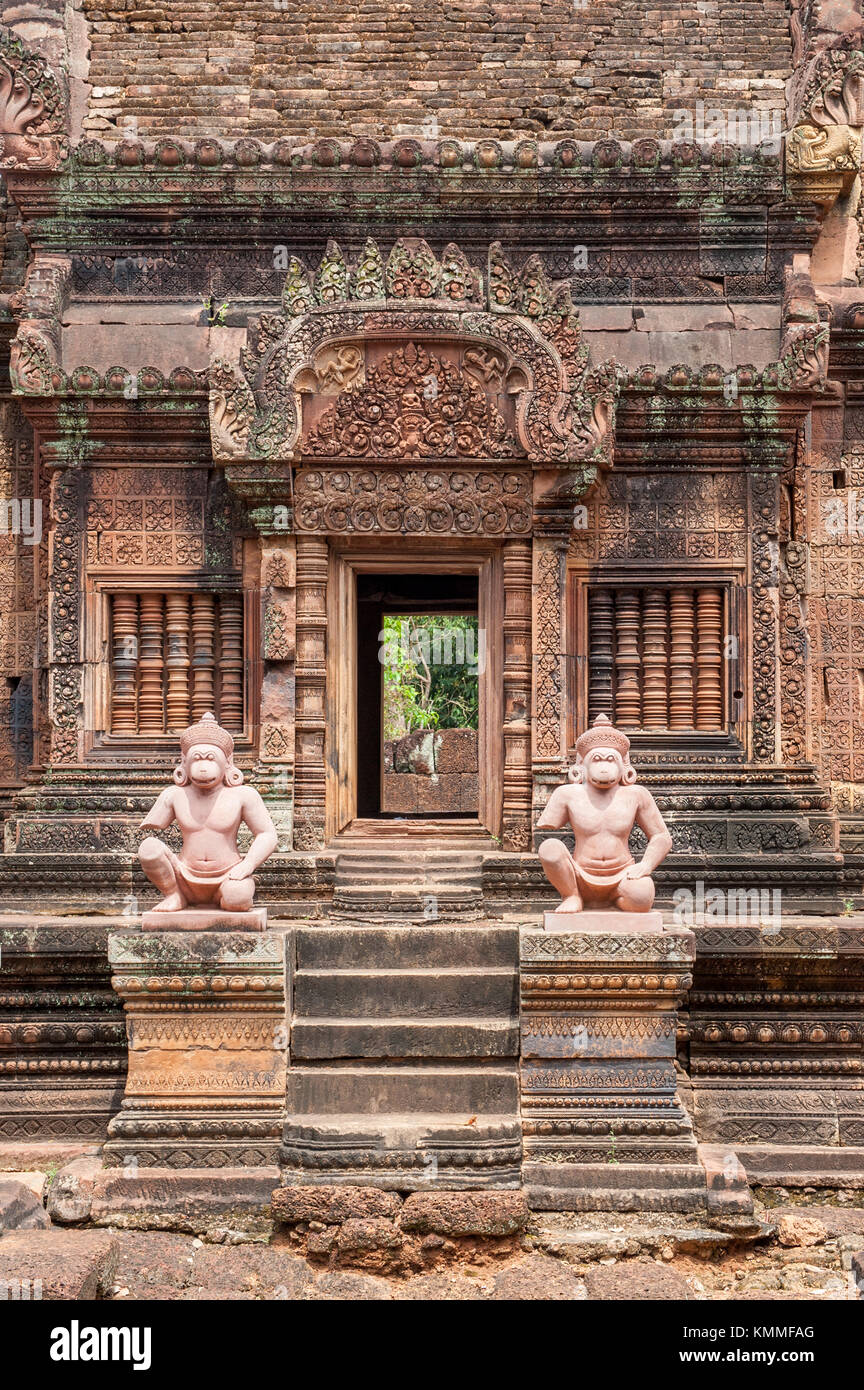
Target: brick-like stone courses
[314, 67]
[17, 595]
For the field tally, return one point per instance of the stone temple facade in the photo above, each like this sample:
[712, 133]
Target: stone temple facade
[552, 313]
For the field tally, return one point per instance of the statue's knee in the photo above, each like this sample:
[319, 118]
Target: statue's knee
[637, 895]
[150, 851]
[553, 852]
[237, 894]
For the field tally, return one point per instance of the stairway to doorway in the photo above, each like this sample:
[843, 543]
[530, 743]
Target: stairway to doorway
[404, 1057]
[418, 884]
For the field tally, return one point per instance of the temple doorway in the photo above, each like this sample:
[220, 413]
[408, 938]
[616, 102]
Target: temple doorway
[420, 660]
[414, 698]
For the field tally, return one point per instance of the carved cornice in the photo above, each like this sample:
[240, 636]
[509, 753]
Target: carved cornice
[403, 178]
[34, 365]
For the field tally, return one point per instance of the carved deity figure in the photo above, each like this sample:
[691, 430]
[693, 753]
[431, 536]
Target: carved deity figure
[209, 803]
[601, 803]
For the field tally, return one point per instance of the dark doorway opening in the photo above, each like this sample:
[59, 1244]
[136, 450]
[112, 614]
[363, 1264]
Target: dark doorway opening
[420, 657]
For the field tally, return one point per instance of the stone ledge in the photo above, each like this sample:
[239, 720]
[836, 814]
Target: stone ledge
[198, 1201]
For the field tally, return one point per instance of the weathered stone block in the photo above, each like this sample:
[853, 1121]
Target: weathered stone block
[332, 1205]
[199, 1201]
[71, 1193]
[456, 750]
[465, 1213]
[57, 1264]
[20, 1208]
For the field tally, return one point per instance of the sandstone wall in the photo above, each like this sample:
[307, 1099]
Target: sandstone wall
[431, 772]
[319, 67]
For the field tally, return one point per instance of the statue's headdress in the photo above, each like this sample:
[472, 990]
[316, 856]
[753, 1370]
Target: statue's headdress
[207, 730]
[602, 734]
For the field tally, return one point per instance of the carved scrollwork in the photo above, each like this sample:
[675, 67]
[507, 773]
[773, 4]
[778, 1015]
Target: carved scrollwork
[414, 405]
[420, 502]
[32, 107]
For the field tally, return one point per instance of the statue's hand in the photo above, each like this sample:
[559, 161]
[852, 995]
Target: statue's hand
[637, 871]
[238, 873]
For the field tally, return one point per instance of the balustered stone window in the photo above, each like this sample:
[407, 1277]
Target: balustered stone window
[655, 656]
[175, 656]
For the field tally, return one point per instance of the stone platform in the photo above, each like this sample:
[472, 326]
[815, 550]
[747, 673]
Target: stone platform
[208, 1043]
[601, 923]
[205, 919]
[603, 1126]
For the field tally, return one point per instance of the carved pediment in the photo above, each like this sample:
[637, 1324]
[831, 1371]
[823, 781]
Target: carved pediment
[420, 359]
[413, 405]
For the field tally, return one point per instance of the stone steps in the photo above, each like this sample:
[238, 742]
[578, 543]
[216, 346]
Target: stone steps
[412, 883]
[401, 1090]
[406, 1152]
[407, 948]
[404, 1047]
[393, 994]
[403, 1037]
[615, 1187]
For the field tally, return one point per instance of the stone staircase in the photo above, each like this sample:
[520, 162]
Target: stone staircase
[404, 1058]
[407, 885]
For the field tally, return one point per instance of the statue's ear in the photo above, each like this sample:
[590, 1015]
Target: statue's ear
[577, 772]
[233, 776]
[179, 773]
[629, 772]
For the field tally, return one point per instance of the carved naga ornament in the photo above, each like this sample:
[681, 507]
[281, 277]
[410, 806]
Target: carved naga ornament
[32, 108]
[411, 358]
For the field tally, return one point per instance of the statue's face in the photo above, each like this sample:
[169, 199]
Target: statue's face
[604, 767]
[206, 765]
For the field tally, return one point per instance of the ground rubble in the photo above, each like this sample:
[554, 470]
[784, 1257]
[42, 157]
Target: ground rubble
[362, 1243]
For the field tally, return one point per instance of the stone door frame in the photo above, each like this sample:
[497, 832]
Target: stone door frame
[408, 555]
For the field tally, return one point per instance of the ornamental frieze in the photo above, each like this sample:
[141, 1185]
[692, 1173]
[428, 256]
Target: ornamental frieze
[442, 501]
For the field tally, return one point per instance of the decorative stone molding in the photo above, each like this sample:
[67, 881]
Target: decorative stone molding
[602, 1123]
[521, 339]
[208, 1043]
[455, 159]
[420, 502]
